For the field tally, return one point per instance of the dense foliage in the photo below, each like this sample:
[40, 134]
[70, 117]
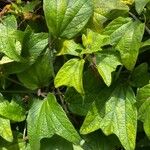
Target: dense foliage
[74, 74]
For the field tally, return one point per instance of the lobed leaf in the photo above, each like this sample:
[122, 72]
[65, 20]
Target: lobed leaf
[46, 118]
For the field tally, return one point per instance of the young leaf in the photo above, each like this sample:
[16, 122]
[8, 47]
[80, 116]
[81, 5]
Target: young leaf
[5, 129]
[46, 118]
[66, 18]
[12, 111]
[117, 114]
[38, 75]
[106, 63]
[71, 75]
[126, 35]
[143, 97]
[140, 4]
[70, 47]
[94, 41]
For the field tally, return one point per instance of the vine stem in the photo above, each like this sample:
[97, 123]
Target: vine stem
[50, 43]
[136, 18]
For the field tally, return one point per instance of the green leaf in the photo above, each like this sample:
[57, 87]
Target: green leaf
[98, 141]
[104, 10]
[5, 129]
[116, 113]
[143, 97]
[126, 35]
[13, 110]
[9, 42]
[33, 45]
[106, 63]
[145, 43]
[70, 74]
[76, 103]
[140, 4]
[46, 118]
[140, 75]
[70, 47]
[66, 18]
[18, 143]
[38, 75]
[93, 42]
[56, 142]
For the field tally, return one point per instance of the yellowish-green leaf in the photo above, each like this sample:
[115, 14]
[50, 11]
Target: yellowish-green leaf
[12, 110]
[5, 129]
[106, 63]
[93, 42]
[70, 74]
[70, 47]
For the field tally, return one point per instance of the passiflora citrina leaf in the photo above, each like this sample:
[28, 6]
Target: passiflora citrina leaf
[13, 111]
[106, 63]
[38, 75]
[70, 47]
[5, 130]
[46, 118]
[66, 18]
[70, 74]
[93, 42]
[139, 5]
[126, 35]
[116, 113]
[143, 98]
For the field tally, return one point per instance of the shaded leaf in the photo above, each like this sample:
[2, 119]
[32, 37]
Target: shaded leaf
[46, 118]
[70, 74]
[56, 142]
[117, 116]
[66, 18]
[38, 75]
[140, 4]
[104, 10]
[143, 97]
[140, 75]
[76, 103]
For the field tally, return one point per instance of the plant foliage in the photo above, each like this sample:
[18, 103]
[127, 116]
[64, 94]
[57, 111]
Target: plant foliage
[74, 74]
